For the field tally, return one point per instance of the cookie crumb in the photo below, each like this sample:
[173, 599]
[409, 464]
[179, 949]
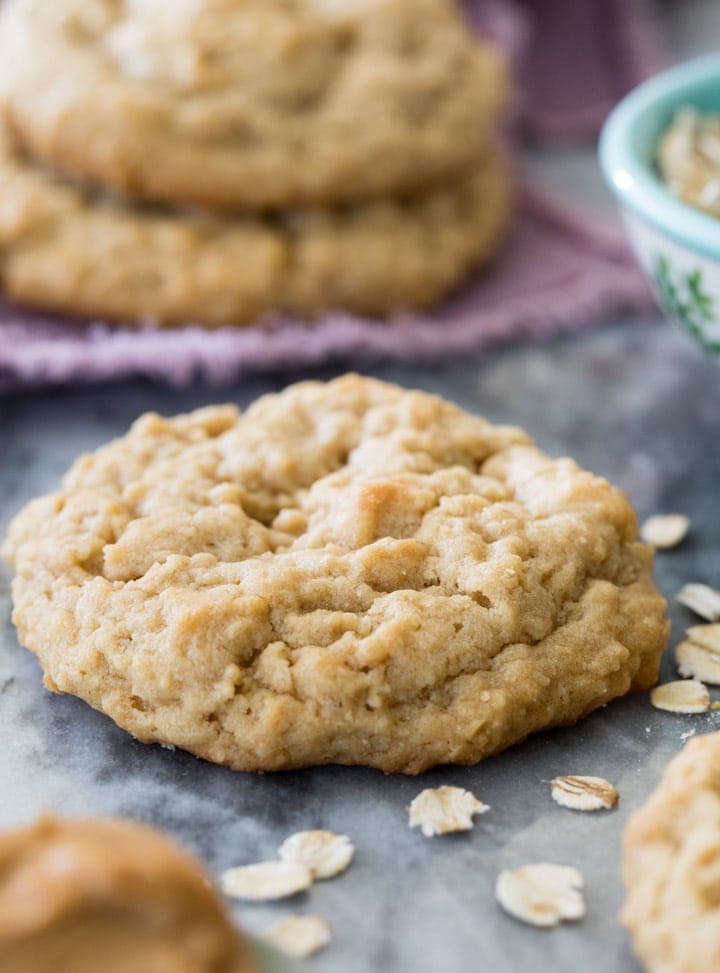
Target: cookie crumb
[701, 599]
[266, 881]
[688, 733]
[681, 696]
[299, 936]
[541, 894]
[324, 853]
[584, 793]
[440, 810]
[664, 531]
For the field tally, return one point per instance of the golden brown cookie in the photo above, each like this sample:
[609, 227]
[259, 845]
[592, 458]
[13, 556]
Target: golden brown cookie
[109, 895]
[69, 250]
[237, 103]
[671, 865]
[346, 573]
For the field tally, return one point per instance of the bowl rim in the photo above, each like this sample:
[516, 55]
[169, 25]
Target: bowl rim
[633, 182]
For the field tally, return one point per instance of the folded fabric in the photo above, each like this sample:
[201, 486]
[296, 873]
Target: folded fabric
[555, 274]
[573, 59]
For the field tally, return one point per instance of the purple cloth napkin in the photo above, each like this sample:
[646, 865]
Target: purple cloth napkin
[581, 58]
[555, 274]
[573, 59]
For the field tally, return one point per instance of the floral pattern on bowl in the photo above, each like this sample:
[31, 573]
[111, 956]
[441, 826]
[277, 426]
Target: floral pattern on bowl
[677, 245]
[686, 284]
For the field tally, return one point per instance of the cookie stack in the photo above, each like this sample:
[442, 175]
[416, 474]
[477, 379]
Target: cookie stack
[214, 160]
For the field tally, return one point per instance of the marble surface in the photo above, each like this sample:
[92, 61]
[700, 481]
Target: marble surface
[636, 402]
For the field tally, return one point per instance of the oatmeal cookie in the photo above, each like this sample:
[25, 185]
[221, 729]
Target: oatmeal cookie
[66, 249]
[671, 865]
[237, 103]
[109, 895]
[346, 573]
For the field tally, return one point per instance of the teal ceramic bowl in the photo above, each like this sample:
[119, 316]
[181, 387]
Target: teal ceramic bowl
[677, 245]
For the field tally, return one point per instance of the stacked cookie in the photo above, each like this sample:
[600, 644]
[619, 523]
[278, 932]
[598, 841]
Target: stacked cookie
[213, 160]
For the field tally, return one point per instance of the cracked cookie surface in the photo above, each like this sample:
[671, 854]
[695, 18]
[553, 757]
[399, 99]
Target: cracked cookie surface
[69, 250]
[671, 865]
[260, 103]
[345, 573]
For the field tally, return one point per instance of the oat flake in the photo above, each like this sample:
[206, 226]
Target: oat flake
[681, 696]
[299, 936]
[697, 662]
[702, 599]
[664, 531]
[324, 853]
[266, 881]
[584, 793]
[541, 894]
[706, 635]
[440, 810]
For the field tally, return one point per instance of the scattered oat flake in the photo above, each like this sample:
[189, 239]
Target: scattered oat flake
[266, 881]
[299, 936]
[706, 635]
[697, 662]
[324, 853]
[542, 894]
[682, 696]
[584, 793]
[702, 599]
[439, 810]
[665, 530]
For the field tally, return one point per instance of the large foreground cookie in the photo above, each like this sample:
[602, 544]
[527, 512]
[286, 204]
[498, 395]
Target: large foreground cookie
[110, 896]
[347, 573]
[671, 865]
[249, 102]
[69, 250]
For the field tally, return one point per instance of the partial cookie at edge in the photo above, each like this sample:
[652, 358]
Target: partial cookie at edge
[110, 895]
[671, 865]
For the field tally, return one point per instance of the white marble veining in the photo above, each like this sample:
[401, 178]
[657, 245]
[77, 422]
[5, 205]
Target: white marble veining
[636, 402]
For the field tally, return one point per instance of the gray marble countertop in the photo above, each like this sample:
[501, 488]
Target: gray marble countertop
[635, 401]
